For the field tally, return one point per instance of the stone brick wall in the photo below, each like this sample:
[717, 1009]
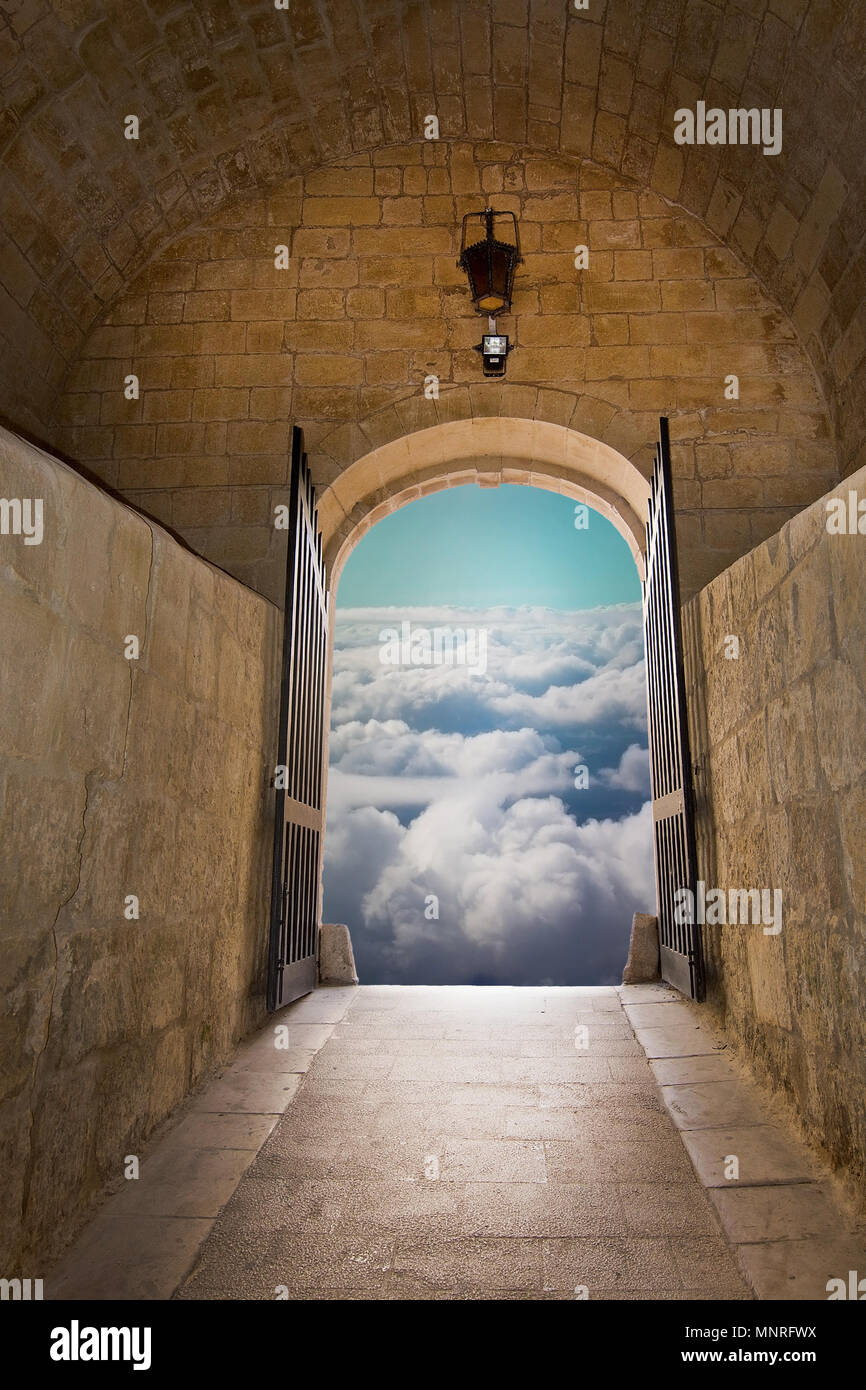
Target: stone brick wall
[229, 350]
[778, 736]
[232, 95]
[120, 777]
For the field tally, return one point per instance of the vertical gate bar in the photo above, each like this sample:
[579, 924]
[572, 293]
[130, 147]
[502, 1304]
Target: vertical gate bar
[293, 723]
[304, 694]
[317, 696]
[301, 618]
[303, 923]
[670, 757]
[319, 711]
[652, 684]
[659, 615]
[287, 889]
[303, 891]
[312, 845]
[305, 943]
[312, 898]
[664, 602]
[303, 642]
[285, 937]
[303, 629]
[290, 894]
[312, 902]
[310, 639]
[650, 653]
[297, 832]
[321, 674]
[694, 933]
[314, 611]
[275, 957]
[670, 651]
[304, 833]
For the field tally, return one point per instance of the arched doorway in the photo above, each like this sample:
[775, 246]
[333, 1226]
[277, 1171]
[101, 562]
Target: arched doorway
[488, 450]
[488, 811]
[580, 467]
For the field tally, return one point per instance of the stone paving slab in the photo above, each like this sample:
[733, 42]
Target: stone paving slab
[751, 1215]
[763, 1154]
[145, 1237]
[249, 1092]
[712, 1104]
[801, 1269]
[293, 1060]
[195, 1183]
[457, 1144]
[128, 1258]
[204, 1130]
[678, 1040]
[692, 1071]
[790, 1230]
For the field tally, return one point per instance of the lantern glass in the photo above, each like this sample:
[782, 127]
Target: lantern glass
[490, 266]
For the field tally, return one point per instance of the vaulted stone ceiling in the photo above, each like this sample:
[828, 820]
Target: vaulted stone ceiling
[234, 96]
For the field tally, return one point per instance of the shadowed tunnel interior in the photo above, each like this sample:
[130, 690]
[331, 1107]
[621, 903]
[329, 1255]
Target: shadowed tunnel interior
[223, 220]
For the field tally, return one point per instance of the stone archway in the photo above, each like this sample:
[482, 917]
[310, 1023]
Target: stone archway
[488, 450]
[346, 340]
[229, 105]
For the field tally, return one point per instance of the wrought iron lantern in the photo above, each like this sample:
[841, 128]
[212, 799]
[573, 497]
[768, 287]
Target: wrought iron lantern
[490, 264]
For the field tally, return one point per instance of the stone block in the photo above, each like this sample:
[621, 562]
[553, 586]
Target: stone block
[336, 957]
[807, 614]
[326, 369]
[642, 965]
[840, 717]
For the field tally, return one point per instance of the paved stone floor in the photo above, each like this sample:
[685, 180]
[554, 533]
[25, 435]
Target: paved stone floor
[469, 1144]
[463, 1143]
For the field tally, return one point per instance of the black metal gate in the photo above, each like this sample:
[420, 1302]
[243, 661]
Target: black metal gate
[298, 829]
[670, 760]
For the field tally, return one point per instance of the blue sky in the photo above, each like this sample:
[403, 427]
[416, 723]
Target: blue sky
[478, 547]
[463, 846]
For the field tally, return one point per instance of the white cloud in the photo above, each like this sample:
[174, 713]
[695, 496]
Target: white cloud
[485, 766]
[633, 773]
[607, 695]
[544, 667]
[385, 763]
[525, 893]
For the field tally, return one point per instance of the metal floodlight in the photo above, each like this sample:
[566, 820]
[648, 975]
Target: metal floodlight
[494, 349]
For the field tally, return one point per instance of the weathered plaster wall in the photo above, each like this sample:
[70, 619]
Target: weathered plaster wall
[119, 777]
[778, 736]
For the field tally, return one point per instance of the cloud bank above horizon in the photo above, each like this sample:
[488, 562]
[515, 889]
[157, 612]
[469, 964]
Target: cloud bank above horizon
[457, 788]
